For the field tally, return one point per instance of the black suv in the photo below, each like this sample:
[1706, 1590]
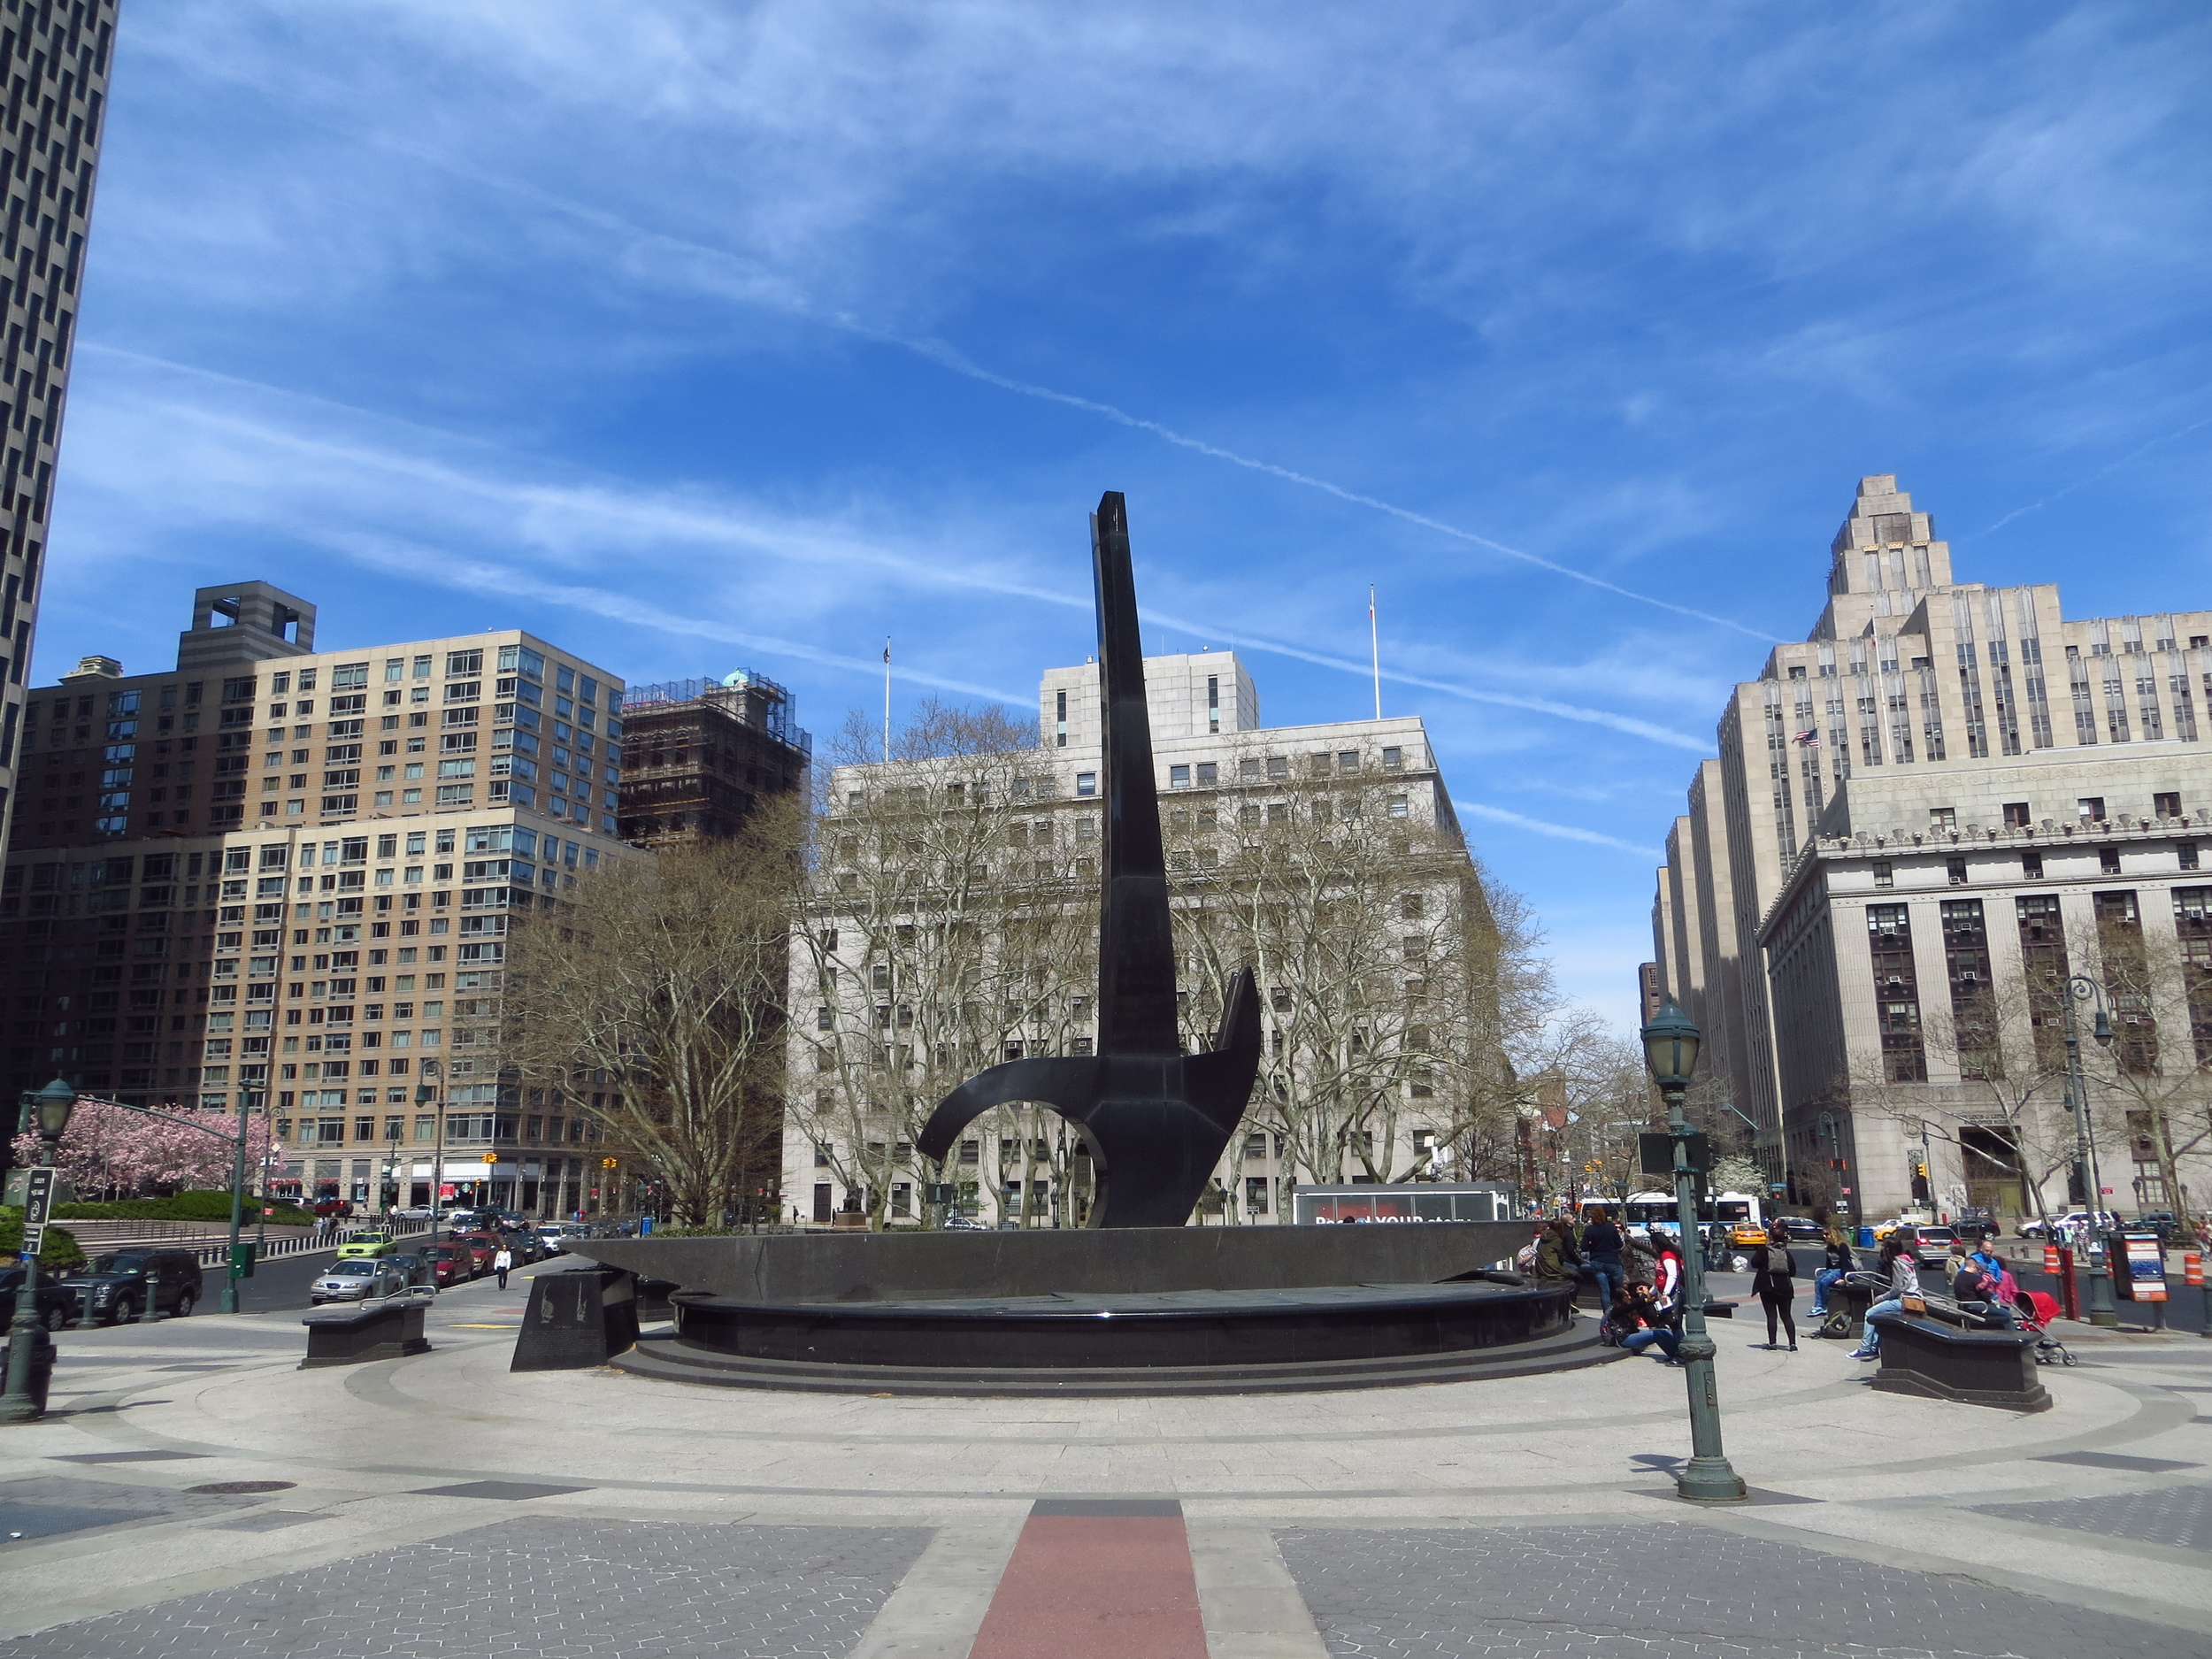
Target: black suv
[117, 1285]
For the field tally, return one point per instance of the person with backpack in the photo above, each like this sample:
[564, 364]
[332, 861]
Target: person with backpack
[1601, 1244]
[1771, 1280]
[1836, 1260]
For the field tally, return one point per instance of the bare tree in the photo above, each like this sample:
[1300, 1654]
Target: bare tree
[2157, 1075]
[1378, 951]
[950, 915]
[660, 986]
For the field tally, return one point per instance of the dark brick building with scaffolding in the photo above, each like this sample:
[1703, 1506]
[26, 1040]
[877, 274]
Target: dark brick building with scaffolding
[701, 753]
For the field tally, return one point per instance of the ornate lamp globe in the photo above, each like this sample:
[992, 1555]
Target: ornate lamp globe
[55, 1103]
[1670, 1045]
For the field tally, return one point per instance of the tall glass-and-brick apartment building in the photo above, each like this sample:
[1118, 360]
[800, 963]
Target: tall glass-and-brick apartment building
[54, 58]
[289, 871]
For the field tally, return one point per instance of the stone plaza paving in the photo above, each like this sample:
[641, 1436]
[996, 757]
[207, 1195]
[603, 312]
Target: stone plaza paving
[441, 1506]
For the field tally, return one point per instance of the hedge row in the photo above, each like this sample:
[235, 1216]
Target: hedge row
[183, 1207]
[60, 1249]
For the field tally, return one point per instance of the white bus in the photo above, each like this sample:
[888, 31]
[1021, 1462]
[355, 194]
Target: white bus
[1658, 1210]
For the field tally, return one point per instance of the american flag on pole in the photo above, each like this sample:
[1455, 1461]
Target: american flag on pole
[1810, 739]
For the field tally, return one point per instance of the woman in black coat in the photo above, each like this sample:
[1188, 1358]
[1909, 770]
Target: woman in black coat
[1772, 1280]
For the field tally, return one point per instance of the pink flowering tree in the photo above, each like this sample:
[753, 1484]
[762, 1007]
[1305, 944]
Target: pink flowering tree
[117, 1153]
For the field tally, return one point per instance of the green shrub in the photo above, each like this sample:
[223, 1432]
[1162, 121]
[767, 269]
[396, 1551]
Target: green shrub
[203, 1206]
[60, 1250]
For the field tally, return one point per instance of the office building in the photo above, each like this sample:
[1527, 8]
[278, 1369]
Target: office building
[289, 871]
[958, 930]
[54, 59]
[1992, 798]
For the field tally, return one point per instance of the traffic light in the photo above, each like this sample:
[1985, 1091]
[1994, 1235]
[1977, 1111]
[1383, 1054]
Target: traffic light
[610, 1163]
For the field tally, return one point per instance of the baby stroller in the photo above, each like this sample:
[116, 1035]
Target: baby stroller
[2037, 1309]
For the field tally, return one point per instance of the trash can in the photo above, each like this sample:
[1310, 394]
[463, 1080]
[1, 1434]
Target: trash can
[1866, 1238]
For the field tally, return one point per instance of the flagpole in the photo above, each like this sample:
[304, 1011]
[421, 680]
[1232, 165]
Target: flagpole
[1374, 648]
[886, 696]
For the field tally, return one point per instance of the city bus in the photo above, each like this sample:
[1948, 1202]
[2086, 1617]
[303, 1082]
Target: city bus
[1658, 1210]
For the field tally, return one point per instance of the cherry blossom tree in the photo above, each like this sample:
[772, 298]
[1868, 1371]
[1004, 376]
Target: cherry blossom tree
[117, 1153]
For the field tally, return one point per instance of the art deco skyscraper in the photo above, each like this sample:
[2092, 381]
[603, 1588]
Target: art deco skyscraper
[54, 60]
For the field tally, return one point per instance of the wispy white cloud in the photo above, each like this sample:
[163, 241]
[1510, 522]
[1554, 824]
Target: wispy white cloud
[1559, 832]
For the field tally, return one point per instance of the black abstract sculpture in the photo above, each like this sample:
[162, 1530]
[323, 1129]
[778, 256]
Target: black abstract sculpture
[1156, 1117]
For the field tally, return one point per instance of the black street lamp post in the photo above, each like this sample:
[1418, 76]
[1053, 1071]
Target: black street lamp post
[2081, 988]
[1670, 1045]
[52, 1106]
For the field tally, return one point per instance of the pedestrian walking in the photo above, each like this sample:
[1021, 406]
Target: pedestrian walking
[1602, 1245]
[1772, 1280]
[502, 1264]
[1836, 1260]
[1900, 1266]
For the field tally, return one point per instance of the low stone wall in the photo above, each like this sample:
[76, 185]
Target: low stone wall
[825, 1267]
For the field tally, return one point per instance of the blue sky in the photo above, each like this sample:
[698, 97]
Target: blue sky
[694, 334]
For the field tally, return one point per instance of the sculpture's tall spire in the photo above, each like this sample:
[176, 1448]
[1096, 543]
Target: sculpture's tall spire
[1136, 953]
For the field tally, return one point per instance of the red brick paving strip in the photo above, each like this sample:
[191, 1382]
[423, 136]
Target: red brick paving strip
[1109, 1580]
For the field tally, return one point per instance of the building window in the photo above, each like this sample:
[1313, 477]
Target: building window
[2032, 866]
[1885, 873]
[2109, 860]
[1943, 819]
[1955, 868]
[2186, 853]
[2015, 815]
[1394, 759]
[2166, 806]
[2091, 807]
[1060, 717]
[1179, 777]
[1087, 783]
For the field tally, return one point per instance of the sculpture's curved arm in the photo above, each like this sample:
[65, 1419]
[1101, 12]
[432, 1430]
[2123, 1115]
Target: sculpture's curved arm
[1064, 1082]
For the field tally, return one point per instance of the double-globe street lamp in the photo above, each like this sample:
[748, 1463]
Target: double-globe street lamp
[52, 1106]
[1670, 1045]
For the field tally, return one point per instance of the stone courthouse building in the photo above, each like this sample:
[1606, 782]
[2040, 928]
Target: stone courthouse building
[1923, 821]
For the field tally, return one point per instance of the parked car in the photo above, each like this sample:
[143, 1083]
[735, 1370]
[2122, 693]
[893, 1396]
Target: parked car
[332, 1207]
[482, 1247]
[417, 1268]
[370, 1245]
[119, 1285]
[2073, 1222]
[57, 1304]
[358, 1279]
[1975, 1221]
[1932, 1245]
[525, 1245]
[2164, 1222]
[555, 1235]
[964, 1224]
[449, 1263]
[1800, 1227]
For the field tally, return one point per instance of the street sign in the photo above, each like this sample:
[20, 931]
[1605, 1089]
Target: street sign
[1655, 1153]
[38, 1203]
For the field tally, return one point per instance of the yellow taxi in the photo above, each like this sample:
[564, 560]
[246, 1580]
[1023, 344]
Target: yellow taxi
[369, 1245]
[1748, 1233]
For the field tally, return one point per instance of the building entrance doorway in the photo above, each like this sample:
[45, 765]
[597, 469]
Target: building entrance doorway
[1993, 1179]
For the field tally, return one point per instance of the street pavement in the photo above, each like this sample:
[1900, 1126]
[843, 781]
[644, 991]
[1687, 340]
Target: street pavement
[196, 1493]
